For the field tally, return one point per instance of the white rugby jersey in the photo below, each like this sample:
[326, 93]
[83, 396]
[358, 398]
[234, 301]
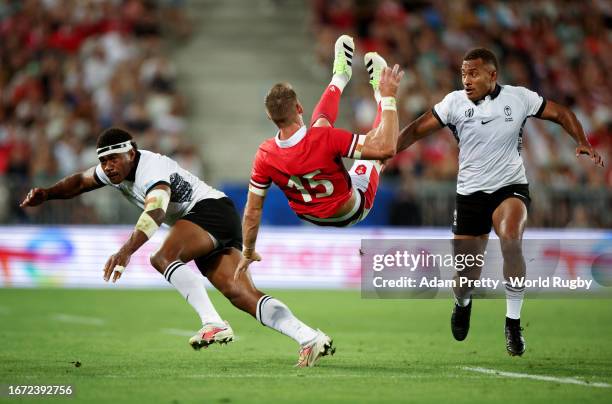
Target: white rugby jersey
[490, 135]
[153, 169]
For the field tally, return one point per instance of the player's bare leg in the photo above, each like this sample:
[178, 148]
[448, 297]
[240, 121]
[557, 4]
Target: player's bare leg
[466, 244]
[185, 242]
[326, 110]
[462, 309]
[241, 292]
[269, 311]
[509, 220]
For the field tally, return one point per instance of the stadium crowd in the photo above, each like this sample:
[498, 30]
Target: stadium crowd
[68, 69]
[559, 48]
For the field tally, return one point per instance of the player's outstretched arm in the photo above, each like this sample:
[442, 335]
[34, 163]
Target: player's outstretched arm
[421, 127]
[66, 188]
[153, 215]
[381, 143]
[567, 119]
[250, 228]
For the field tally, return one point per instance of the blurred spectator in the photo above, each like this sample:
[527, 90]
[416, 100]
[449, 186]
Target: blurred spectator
[561, 49]
[68, 69]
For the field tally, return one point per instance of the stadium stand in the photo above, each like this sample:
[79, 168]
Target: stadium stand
[69, 69]
[560, 49]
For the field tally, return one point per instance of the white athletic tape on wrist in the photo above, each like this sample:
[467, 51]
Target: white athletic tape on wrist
[157, 199]
[388, 104]
[147, 225]
[119, 268]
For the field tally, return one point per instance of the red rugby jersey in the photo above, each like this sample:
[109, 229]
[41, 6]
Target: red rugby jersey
[308, 168]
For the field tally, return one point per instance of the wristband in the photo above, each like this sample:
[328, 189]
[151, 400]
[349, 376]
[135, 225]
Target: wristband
[388, 104]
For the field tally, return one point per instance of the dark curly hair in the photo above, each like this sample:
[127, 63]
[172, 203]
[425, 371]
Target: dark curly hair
[486, 55]
[112, 136]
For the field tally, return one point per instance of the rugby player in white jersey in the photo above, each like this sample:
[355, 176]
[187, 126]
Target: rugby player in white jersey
[204, 227]
[487, 120]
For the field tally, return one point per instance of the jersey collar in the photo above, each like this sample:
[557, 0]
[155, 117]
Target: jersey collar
[492, 95]
[495, 91]
[293, 140]
[132, 175]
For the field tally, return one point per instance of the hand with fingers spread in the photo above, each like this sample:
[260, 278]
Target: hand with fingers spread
[389, 81]
[35, 197]
[116, 265]
[249, 255]
[592, 153]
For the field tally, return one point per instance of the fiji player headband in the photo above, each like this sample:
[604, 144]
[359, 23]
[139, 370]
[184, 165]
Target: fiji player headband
[114, 148]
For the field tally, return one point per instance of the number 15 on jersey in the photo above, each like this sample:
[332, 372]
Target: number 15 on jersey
[298, 183]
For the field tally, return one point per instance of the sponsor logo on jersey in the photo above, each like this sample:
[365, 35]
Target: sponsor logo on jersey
[508, 112]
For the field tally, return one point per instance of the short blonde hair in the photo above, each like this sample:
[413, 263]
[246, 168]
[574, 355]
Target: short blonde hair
[281, 102]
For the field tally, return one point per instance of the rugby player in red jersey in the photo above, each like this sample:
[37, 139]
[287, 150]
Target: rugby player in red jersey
[306, 163]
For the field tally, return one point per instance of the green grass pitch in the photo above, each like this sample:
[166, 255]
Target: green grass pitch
[131, 350]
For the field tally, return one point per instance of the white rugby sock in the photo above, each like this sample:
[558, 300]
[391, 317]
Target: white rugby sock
[191, 287]
[514, 301]
[339, 80]
[275, 314]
